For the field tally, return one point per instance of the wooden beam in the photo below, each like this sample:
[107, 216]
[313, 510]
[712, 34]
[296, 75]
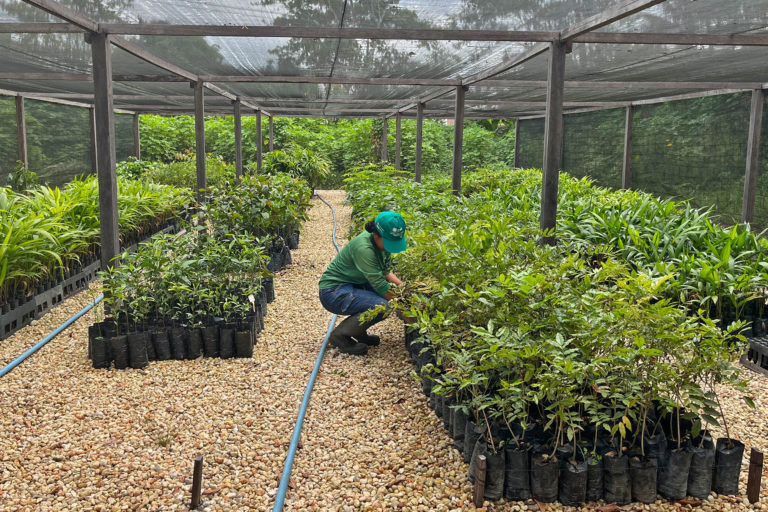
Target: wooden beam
[398, 134]
[39, 28]
[384, 141]
[105, 148]
[328, 80]
[681, 39]
[259, 142]
[271, 133]
[553, 141]
[65, 13]
[21, 131]
[753, 155]
[200, 140]
[136, 137]
[516, 162]
[238, 140]
[458, 139]
[606, 17]
[626, 181]
[419, 135]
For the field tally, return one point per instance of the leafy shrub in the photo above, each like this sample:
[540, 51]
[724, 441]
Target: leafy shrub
[297, 162]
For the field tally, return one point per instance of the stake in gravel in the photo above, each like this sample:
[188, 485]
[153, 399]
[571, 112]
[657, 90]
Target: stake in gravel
[478, 491]
[197, 482]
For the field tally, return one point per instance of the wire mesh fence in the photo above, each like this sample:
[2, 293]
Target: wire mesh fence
[8, 137]
[691, 149]
[124, 136]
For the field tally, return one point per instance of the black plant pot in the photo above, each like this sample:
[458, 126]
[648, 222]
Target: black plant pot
[673, 476]
[642, 472]
[102, 353]
[120, 351]
[616, 482]
[447, 412]
[702, 465]
[517, 484]
[150, 347]
[573, 484]
[226, 342]
[727, 466]
[459, 425]
[472, 433]
[177, 343]
[594, 478]
[137, 349]
[194, 343]
[211, 341]
[243, 344]
[494, 475]
[162, 345]
[544, 477]
[269, 288]
[655, 445]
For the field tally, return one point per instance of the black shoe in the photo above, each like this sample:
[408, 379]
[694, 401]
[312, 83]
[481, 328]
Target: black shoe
[369, 339]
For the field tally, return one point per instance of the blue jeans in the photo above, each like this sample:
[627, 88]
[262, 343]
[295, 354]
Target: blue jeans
[351, 299]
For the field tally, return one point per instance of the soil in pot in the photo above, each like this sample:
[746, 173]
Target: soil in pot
[517, 484]
[702, 465]
[226, 342]
[616, 482]
[544, 477]
[243, 344]
[137, 349]
[642, 473]
[673, 476]
[120, 351]
[211, 341]
[472, 433]
[162, 344]
[194, 343]
[177, 343]
[728, 455]
[573, 483]
[594, 478]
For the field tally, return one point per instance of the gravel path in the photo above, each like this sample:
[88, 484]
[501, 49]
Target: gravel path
[74, 438]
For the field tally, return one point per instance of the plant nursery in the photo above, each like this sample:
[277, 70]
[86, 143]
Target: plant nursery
[552, 215]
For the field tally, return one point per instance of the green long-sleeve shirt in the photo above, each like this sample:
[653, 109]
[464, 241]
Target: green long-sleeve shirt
[359, 262]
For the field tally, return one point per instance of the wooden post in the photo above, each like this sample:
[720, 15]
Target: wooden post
[478, 491]
[626, 171]
[136, 137]
[458, 139]
[271, 133]
[384, 157]
[238, 141]
[516, 163]
[553, 140]
[94, 143]
[755, 475]
[259, 141]
[398, 121]
[101, 53]
[753, 155]
[200, 140]
[419, 135]
[197, 482]
[21, 130]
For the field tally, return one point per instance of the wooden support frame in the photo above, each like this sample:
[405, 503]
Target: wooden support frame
[419, 138]
[384, 141]
[238, 140]
[753, 155]
[458, 140]
[516, 161]
[94, 143]
[398, 135]
[259, 141]
[202, 182]
[553, 141]
[104, 117]
[626, 170]
[136, 137]
[271, 133]
[21, 131]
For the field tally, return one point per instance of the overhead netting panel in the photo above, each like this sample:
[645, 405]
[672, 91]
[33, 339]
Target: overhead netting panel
[761, 195]
[593, 145]
[58, 141]
[531, 143]
[123, 136]
[8, 137]
[693, 149]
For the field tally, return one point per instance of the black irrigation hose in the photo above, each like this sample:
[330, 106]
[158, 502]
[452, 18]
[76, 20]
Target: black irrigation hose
[284, 479]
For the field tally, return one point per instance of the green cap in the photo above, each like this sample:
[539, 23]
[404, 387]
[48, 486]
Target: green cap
[391, 227]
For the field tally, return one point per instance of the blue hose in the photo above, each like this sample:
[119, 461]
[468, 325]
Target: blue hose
[16, 362]
[285, 478]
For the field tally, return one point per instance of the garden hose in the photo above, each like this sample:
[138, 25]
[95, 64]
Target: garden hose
[284, 479]
[13, 364]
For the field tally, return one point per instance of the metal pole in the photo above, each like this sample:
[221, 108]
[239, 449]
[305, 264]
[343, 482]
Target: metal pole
[753, 155]
[553, 140]
[21, 130]
[398, 123]
[458, 139]
[238, 141]
[516, 162]
[200, 139]
[419, 134]
[136, 137]
[94, 143]
[271, 133]
[258, 141]
[384, 140]
[626, 172]
[105, 147]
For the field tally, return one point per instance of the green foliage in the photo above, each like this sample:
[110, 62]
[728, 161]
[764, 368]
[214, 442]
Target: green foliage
[297, 162]
[21, 178]
[589, 334]
[182, 173]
